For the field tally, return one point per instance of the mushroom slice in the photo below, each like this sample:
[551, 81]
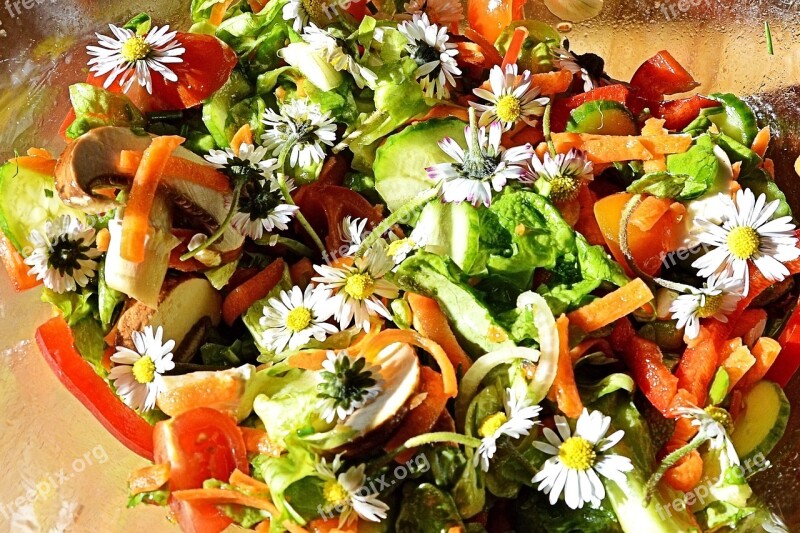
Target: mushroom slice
[374, 423]
[183, 302]
[91, 162]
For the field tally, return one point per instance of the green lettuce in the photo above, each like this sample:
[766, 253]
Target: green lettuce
[95, 107]
[282, 472]
[700, 164]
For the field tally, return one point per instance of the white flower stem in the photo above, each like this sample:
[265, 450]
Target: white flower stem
[669, 461]
[441, 436]
[415, 204]
[237, 191]
[546, 128]
[287, 196]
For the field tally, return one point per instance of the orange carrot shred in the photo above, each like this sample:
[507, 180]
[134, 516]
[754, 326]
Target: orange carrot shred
[765, 351]
[761, 142]
[432, 323]
[148, 478]
[177, 168]
[649, 212]
[136, 220]
[103, 239]
[564, 388]
[493, 57]
[612, 306]
[243, 136]
[515, 46]
[218, 12]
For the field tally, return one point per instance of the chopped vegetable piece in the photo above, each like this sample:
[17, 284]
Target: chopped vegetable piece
[660, 75]
[612, 307]
[178, 168]
[148, 478]
[242, 297]
[564, 388]
[431, 322]
[765, 351]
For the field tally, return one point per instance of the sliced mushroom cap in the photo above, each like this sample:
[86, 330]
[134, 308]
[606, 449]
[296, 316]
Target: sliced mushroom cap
[183, 303]
[91, 162]
[375, 421]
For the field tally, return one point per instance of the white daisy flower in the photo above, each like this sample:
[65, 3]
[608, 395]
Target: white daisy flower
[711, 423]
[348, 383]
[358, 288]
[347, 493]
[137, 374]
[435, 57]
[330, 48]
[304, 126]
[63, 256]
[400, 249]
[564, 173]
[130, 57]
[294, 317]
[353, 232]
[484, 166]
[295, 11]
[249, 159]
[563, 59]
[442, 12]
[511, 99]
[775, 524]
[517, 419]
[747, 234]
[716, 299]
[578, 458]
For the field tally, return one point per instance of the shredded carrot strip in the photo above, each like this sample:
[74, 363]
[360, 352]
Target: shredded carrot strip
[564, 389]
[737, 170]
[552, 83]
[222, 496]
[240, 479]
[612, 306]
[583, 348]
[178, 168]
[515, 46]
[218, 12]
[432, 323]
[649, 212]
[493, 57]
[136, 220]
[291, 527]
[765, 351]
[308, 359]
[761, 142]
[149, 478]
[256, 5]
[391, 336]
[103, 239]
[769, 166]
[243, 136]
[35, 163]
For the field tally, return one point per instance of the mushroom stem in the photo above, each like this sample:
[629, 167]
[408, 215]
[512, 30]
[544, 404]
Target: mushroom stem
[237, 191]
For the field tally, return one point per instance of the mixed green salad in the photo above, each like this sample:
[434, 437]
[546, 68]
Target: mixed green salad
[367, 267]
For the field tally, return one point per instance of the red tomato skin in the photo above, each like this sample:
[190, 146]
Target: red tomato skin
[788, 361]
[680, 113]
[56, 343]
[207, 65]
[199, 444]
[660, 75]
[563, 106]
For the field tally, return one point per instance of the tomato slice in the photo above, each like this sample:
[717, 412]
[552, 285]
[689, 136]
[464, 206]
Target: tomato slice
[680, 113]
[788, 361]
[660, 75]
[207, 64]
[56, 343]
[326, 205]
[199, 444]
[562, 107]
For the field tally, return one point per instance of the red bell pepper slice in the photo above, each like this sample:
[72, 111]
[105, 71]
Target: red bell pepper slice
[660, 75]
[680, 113]
[56, 343]
[788, 361]
[699, 363]
[646, 362]
[16, 267]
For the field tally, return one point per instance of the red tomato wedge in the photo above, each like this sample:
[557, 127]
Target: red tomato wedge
[207, 64]
[199, 444]
[55, 341]
[680, 113]
[788, 361]
[660, 75]
[563, 106]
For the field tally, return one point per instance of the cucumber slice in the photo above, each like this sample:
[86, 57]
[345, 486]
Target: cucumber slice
[737, 121]
[453, 230]
[762, 423]
[217, 108]
[28, 199]
[401, 162]
[738, 152]
[603, 117]
[535, 55]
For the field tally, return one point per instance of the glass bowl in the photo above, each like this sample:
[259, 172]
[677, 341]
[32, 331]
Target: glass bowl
[64, 472]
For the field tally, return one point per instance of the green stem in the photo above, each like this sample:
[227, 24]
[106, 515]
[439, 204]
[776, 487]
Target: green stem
[293, 245]
[298, 214]
[507, 446]
[402, 214]
[222, 227]
[768, 38]
[668, 462]
[546, 128]
[441, 436]
[374, 118]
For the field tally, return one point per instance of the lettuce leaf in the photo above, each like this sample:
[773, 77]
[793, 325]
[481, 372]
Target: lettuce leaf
[95, 107]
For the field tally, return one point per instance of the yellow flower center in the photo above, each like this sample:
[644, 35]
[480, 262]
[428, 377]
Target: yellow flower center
[743, 242]
[710, 306]
[359, 286]
[396, 246]
[144, 370]
[298, 319]
[577, 453]
[491, 424]
[563, 188]
[334, 493]
[721, 416]
[508, 108]
[135, 49]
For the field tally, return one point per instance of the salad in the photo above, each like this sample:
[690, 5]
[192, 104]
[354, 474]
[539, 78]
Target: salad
[362, 267]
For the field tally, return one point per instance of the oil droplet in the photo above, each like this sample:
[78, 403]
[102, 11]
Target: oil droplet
[564, 27]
